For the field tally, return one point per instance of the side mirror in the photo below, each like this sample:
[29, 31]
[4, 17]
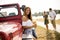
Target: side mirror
[23, 7]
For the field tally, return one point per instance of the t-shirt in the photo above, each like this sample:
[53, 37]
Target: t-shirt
[52, 14]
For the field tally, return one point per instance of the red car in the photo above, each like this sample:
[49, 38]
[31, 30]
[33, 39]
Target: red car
[10, 22]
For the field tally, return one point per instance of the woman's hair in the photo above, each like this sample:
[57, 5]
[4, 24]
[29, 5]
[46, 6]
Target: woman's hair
[29, 16]
[44, 12]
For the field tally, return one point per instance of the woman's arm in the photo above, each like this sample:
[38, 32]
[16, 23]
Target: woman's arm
[31, 25]
[25, 27]
[34, 24]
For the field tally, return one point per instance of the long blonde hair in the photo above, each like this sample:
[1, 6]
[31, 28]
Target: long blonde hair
[29, 16]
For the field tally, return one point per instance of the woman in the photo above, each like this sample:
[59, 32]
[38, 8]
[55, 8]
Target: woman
[45, 15]
[27, 14]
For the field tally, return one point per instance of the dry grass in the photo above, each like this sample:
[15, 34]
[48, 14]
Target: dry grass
[58, 21]
[40, 33]
[43, 34]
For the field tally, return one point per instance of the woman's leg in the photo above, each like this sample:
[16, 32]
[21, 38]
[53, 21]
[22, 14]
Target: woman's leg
[34, 34]
[47, 26]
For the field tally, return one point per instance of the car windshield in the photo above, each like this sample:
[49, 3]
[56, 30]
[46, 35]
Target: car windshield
[8, 11]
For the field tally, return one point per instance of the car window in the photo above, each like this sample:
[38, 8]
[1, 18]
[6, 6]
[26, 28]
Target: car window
[8, 11]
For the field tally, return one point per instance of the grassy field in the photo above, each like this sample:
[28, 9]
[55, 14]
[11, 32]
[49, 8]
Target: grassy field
[44, 34]
[58, 21]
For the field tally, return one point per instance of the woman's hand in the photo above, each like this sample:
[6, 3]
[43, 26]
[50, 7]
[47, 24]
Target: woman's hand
[34, 24]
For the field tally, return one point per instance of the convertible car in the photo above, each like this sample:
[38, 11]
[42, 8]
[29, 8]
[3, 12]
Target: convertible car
[10, 22]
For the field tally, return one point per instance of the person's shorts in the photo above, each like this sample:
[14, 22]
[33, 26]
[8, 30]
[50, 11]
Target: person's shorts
[53, 22]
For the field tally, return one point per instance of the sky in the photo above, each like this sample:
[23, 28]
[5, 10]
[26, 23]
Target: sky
[35, 5]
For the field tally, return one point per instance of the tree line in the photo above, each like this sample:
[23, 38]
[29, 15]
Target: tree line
[41, 13]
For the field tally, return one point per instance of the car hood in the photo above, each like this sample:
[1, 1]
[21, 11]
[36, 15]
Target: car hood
[8, 27]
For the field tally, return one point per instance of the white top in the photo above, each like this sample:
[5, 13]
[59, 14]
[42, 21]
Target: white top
[27, 23]
[27, 31]
[52, 14]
